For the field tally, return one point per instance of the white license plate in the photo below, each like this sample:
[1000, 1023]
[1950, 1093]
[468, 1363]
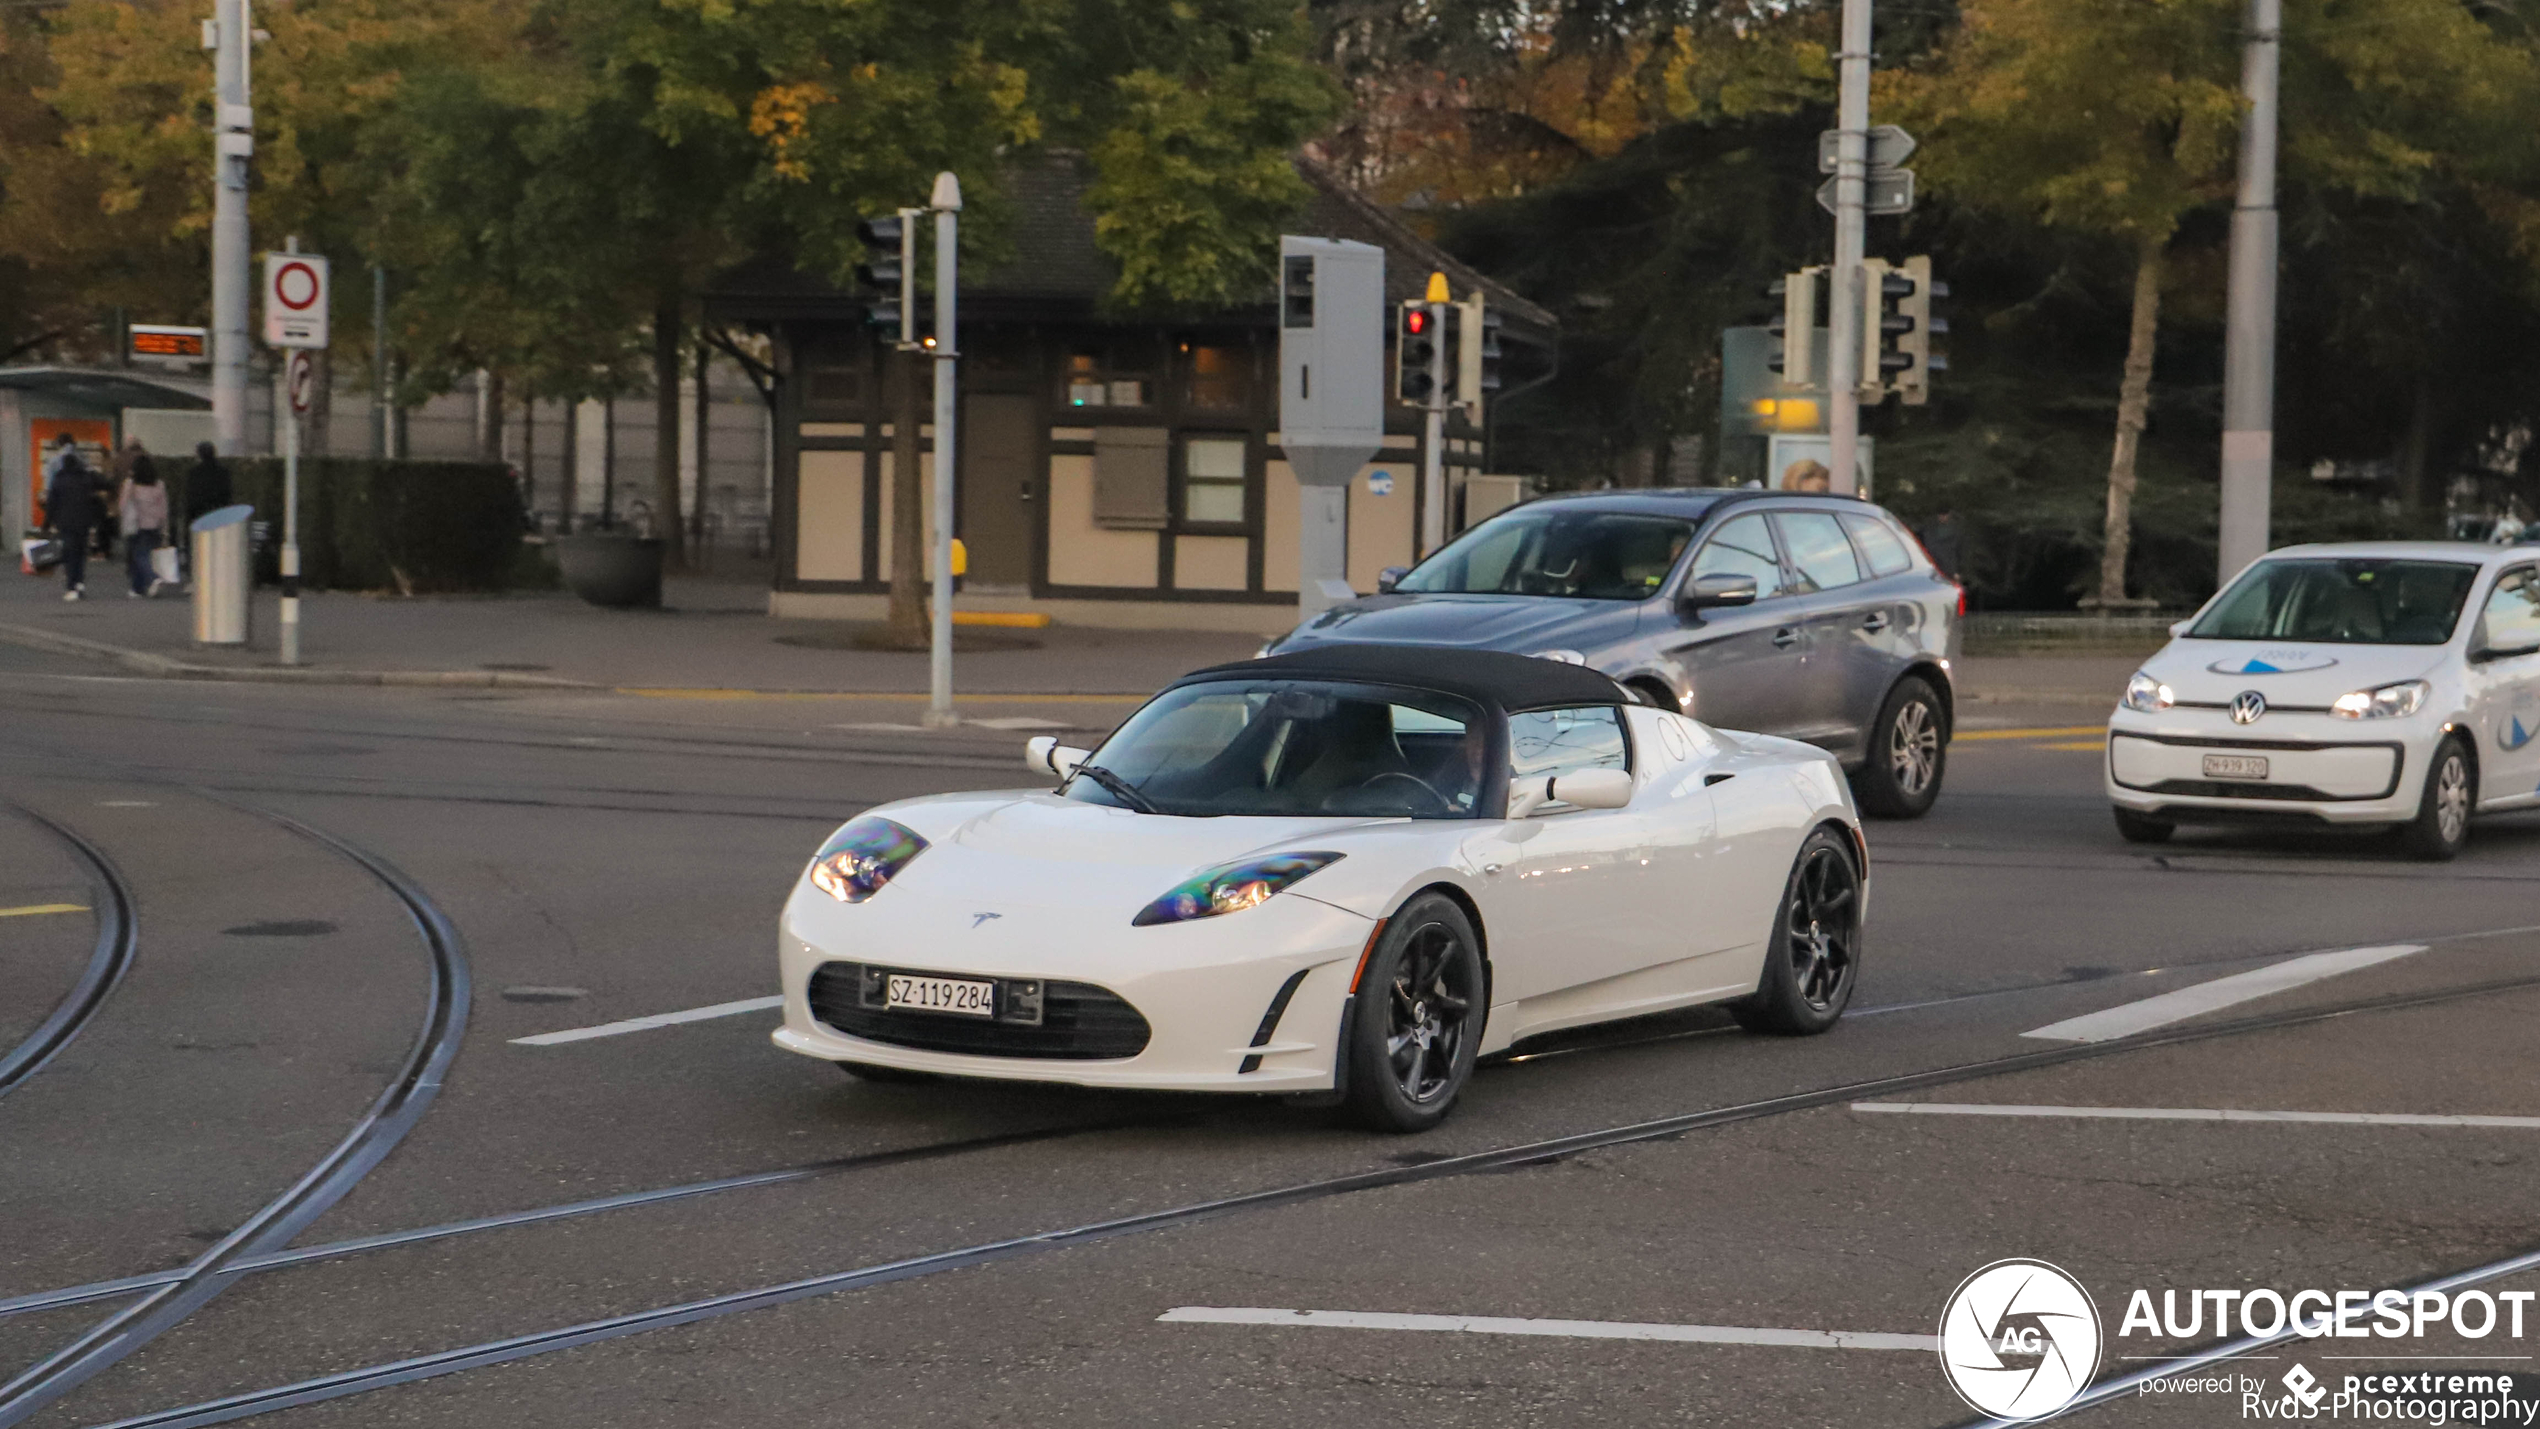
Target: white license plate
[2235, 766]
[940, 994]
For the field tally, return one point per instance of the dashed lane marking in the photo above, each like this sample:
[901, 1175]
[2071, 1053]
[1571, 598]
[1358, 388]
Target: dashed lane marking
[2133, 1017]
[1559, 1329]
[647, 1024]
[2176, 1113]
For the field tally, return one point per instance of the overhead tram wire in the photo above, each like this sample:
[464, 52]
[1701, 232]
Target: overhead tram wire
[118, 940]
[480, 1356]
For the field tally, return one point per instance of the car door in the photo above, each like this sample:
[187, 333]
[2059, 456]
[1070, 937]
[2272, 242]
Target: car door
[1840, 616]
[1890, 632]
[2504, 687]
[1741, 662]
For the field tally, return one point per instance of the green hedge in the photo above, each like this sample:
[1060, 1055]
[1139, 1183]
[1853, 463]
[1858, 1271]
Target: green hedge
[411, 526]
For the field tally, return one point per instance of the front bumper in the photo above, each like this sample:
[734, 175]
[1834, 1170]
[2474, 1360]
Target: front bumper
[2318, 768]
[1203, 987]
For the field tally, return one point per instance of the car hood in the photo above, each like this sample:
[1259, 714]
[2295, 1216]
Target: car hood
[1519, 623]
[1038, 851]
[2287, 673]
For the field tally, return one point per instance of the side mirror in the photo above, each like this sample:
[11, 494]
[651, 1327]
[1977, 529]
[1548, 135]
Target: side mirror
[1717, 589]
[1043, 754]
[1580, 788]
[1390, 577]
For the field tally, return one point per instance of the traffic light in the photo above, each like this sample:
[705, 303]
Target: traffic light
[1415, 354]
[1913, 385]
[1794, 331]
[1450, 350]
[1477, 356]
[890, 267]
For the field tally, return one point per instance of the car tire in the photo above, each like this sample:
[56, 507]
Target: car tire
[1908, 753]
[1417, 1018]
[1813, 960]
[884, 1076]
[2441, 828]
[2137, 828]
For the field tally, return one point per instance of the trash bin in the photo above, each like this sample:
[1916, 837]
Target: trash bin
[223, 577]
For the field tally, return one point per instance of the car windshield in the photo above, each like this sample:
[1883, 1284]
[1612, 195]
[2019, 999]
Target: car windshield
[1557, 550]
[1288, 747]
[2342, 601]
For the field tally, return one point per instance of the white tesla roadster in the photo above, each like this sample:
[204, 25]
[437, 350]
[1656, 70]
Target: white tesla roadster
[1345, 873]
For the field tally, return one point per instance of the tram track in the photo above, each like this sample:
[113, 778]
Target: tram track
[118, 940]
[489, 1353]
[399, 1107]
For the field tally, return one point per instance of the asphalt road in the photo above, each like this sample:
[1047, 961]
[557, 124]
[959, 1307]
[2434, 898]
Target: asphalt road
[600, 858]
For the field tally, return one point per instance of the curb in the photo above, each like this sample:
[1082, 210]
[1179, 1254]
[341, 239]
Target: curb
[142, 662]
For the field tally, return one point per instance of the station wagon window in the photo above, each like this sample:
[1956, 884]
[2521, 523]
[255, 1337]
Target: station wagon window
[1558, 550]
[2513, 613]
[1878, 545]
[1557, 742]
[1743, 547]
[1818, 550]
[2353, 600]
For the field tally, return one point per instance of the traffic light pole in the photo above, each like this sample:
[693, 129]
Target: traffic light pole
[947, 205]
[1845, 297]
[1433, 443]
[2248, 439]
[234, 142]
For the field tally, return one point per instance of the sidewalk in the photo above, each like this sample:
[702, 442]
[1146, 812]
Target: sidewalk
[713, 634]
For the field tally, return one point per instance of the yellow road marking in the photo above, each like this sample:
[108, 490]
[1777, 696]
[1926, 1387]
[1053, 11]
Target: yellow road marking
[2065, 731]
[32, 909]
[713, 694]
[2077, 744]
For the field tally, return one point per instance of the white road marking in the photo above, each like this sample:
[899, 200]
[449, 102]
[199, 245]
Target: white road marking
[2180, 1113]
[647, 1024]
[1566, 1329]
[2204, 997]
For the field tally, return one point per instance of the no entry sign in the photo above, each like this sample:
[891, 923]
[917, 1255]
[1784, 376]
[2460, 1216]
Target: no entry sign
[295, 300]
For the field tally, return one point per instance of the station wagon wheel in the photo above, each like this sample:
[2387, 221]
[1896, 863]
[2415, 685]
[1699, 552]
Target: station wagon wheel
[1417, 1018]
[1908, 752]
[1814, 957]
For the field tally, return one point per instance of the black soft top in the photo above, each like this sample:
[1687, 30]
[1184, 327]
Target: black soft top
[1490, 678]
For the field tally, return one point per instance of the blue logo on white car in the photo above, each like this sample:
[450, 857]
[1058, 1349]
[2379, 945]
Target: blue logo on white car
[2274, 662]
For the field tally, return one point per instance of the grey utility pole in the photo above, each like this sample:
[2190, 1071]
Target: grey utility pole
[1851, 180]
[1433, 429]
[379, 362]
[947, 205]
[232, 33]
[2248, 439]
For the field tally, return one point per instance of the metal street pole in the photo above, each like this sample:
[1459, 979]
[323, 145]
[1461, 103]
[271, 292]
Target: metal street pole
[294, 374]
[946, 202]
[2248, 439]
[1433, 435]
[234, 143]
[1851, 178]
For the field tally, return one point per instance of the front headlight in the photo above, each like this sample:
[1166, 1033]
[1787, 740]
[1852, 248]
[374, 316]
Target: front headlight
[2145, 695]
[1231, 887]
[2386, 702]
[863, 856]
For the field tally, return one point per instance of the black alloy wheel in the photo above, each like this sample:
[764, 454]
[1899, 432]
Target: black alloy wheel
[1420, 1006]
[1908, 753]
[1814, 958]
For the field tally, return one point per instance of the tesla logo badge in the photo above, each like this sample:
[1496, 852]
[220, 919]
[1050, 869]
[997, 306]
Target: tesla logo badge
[2247, 706]
[978, 918]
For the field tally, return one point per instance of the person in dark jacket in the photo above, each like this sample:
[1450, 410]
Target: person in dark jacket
[70, 513]
[206, 486]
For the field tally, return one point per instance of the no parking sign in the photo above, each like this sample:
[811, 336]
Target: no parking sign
[295, 300]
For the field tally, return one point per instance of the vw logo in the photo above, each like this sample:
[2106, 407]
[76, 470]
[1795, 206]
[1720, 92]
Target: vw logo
[2019, 1340]
[2247, 706]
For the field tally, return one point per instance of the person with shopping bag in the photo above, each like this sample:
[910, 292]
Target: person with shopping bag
[142, 505]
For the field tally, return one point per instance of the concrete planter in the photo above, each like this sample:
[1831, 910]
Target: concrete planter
[615, 571]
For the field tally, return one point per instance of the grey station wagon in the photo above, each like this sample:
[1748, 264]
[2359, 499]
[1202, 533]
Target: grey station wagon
[1814, 617]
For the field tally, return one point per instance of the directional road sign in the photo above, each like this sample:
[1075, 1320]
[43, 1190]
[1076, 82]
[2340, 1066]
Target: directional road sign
[1888, 193]
[1890, 147]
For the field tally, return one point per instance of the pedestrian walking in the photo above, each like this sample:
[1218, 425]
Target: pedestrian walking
[70, 513]
[206, 486]
[107, 483]
[142, 509]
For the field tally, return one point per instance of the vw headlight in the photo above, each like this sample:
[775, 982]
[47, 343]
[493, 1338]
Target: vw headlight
[2386, 702]
[863, 856]
[1231, 887]
[2145, 695]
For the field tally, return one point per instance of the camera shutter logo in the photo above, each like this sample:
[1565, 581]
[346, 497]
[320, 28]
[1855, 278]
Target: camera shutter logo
[2247, 707]
[2019, 1340]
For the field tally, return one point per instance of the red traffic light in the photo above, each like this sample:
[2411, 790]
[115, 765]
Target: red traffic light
[1415, 321]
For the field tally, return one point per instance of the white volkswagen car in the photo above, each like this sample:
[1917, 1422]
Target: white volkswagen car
[1345, 872]
[2373, 683]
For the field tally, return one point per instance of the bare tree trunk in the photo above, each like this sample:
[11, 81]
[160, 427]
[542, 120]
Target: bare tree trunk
[2416, 480]
[569, 491]
[908, 628]
[666, 522]
[321, 404]
[2134, 401]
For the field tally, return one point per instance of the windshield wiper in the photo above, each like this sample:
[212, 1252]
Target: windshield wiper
[1119, 788]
